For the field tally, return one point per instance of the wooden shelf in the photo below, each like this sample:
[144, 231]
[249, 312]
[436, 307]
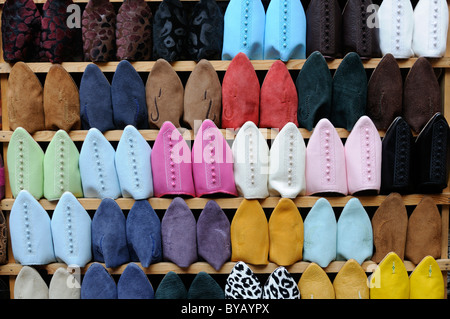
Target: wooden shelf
[234, 202]
[219, 65]
[163, 268]
[12, 269]
[150, 135]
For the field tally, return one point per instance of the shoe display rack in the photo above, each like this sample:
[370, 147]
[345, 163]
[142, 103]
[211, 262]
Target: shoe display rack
[228, 204]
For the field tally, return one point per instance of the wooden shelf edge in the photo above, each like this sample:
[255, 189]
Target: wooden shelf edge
[151, 134]
[234, 202]
[219, 65]
[162, 268]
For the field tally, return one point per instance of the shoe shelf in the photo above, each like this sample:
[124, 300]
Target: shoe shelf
[219, 65]
[12, 269]
[150, 135]
[234, 202]
[162, 268]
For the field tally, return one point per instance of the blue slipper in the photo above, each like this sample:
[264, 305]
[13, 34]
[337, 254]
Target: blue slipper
[95, 100]
[144, 234]
[134, 284]
[98, 284]
[128, 97]
[109, 241]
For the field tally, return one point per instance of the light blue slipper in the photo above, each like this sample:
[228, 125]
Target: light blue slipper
[30, 230]
[133, 165]
[244, 22]
[71, 231]
[285, 31]
[320, 230]
[354, 233]
[97, 167]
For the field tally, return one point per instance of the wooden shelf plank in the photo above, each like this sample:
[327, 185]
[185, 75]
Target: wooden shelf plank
[162, 268]
[234, 202]
[219, 65]
[150, 135]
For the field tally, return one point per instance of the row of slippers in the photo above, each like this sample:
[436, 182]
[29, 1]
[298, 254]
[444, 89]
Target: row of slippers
[133, 33]
[351, 282]
[97, 283]
[395, 28]
[322, 238]
[284, 32]
[366, 164]
[390, 280]
[342, 98]
[72, 237]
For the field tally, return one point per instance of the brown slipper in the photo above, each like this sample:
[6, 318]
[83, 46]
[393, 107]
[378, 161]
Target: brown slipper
[61, 101]
[25, 99]
[164, 94]
[202, 95]
[389, 224]
[424, 232]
